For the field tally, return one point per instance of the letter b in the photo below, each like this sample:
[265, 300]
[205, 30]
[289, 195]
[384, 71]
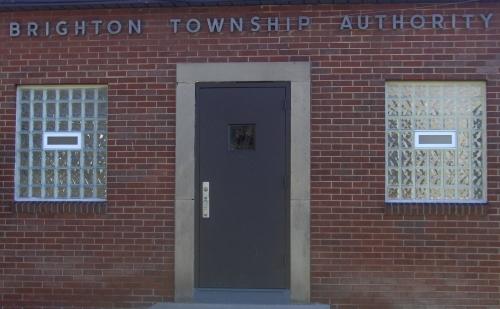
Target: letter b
[15, 30]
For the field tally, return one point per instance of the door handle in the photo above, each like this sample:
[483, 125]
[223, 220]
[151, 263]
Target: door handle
[205, 200]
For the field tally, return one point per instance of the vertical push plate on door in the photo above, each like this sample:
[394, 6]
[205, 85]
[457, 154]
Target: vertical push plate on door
[205, 200]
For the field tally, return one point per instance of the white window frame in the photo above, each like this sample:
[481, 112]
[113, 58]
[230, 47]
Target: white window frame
[452, 133]
[77, 146]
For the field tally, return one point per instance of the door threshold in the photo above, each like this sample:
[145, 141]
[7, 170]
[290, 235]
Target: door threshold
[241, 296]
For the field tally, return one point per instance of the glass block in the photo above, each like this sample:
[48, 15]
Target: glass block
[37, 125]
[88, 176]
[75, 176]
[75, 192]
[392, 193]
[89, 140]
[25, 95]
[406, 108]
[392, 158]
[24, 177]
[89, 125]
[101, 141]
[51, 94]
[420, 176]
[433, 107]
[25, 141]
[449, 123]
[407, 139]
[36, 192]
[463, 193]
[64, 94]
[89, 110]
[62, 177]
[63, 125]
[420, 157]
[101, 125]
[463, 157]
[62, 158]
[392, 139]
[392, 177]
[49, 177]
[88, 159]
[435, 157]
[90, 94]
[101, 192]
[420, 107]
[75, 158]
[477, 158]
[406, 158]
[62, 192]
[392, 108]
[50, 161]
[37, 158]
[463, 177]
[50, 110]
[76, 109]
[477, 177]
[36, 177]
[101, 158]
[76, 125]
[435, 123]
[435, 193]
[405, 124]
[477, 139]
[407, 177]
[50, 125]
[49, 192]
[463, 123]
[101, 176]
[477, 193]
[421, 124]
[477, 107]
[25, 126]
[435, 177]
[37, 141]
[449, 193]
[102, 94]
[23, 192]
[38, 95]
[407, 193]
[24, 159]
[25, 110]
[450, 177]
[77, 94]
[63, 110]
[477, 124]
[421, 193]
[88, 192]
[102, 110]
[449, 157]
[38, 110]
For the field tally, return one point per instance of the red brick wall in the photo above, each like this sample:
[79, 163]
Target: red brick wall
[364, 253]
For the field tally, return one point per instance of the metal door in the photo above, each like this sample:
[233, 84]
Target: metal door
[243, 189]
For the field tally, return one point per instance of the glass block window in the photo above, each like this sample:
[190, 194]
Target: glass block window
[441, 173]
[46, 171]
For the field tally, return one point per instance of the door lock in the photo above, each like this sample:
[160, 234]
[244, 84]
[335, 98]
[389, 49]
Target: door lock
[205, 200]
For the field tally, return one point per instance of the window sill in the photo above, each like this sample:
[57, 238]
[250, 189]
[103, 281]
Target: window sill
[437, 209]
[59, 207]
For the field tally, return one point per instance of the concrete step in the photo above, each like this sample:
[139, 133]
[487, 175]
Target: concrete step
[236, 306]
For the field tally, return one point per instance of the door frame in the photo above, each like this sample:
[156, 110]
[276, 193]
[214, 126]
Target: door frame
[298, 75]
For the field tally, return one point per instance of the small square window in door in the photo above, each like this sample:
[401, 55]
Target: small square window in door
[242, 137]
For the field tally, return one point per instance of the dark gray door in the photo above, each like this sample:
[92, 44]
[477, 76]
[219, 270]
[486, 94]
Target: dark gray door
[242, 140]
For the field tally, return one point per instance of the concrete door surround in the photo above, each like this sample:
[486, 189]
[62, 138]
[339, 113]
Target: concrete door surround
[298, 74]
